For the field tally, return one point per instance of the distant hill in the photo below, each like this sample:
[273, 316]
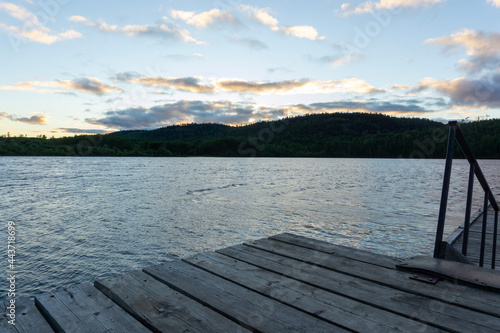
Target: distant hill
[318, 135]
[332, 124]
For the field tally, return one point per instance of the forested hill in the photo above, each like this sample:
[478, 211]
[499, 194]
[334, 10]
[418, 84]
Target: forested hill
[327, 124]
[320, 135]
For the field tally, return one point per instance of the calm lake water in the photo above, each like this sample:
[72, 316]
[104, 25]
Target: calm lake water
[81, 218]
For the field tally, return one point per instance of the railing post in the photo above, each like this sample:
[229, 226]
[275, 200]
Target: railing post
[446, 187]
[495, 231]
[468, 209]
[483, 232]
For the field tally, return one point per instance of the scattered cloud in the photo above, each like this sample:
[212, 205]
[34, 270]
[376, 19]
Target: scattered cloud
[19, 13]
[482, 48]
[262, 16]
[185, 57]
[303, 31]
[36, 119]
[88, 85]
[401, 108]
[190, 84]
[242, 86]
[350, 85]
[279, 69]
[253, 44]
[80, 131]
[32, 29]
[480, 88]
[167, 29]
[186, 112]
[242, 112]
[371, 6]
[339, 59]
[495, 3]
[484, 91]
[205, 19]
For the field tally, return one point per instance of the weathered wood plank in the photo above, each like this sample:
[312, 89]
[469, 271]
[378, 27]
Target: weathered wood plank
[242, 305]
[82, 308]
[161, 308]
[432, 311]
[338, 250]
[28, 319]
[360, 269]
[477, 300]
[341, 310]
[469, 274]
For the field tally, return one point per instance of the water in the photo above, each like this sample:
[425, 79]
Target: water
[81, 218]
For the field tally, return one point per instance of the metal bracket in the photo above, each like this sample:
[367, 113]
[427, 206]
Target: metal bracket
[425, 278]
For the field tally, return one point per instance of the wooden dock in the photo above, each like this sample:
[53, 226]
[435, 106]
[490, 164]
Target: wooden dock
[474, 245]
[285, 283]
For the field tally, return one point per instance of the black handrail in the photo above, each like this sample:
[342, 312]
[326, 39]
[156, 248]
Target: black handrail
[475, 169]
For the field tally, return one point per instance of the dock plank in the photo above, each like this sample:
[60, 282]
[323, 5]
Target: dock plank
[317, 302]
[161, 308]
[28, 318]
[338, 250]
[459, 295]
[242, 305]
[470, 274]
[431, 311]
[474, 242]
[285, 283]
[82, 308]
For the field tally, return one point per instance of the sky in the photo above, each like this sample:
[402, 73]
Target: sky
[88, 67]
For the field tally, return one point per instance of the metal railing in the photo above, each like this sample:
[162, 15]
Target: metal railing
[489, 198]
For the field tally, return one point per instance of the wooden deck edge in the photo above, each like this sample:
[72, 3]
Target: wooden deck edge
[455, 235]
[457, 272]
[47, 316]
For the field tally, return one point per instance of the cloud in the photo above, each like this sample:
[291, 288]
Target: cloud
[262, 16]
[484, 91]
[401, 108]
[37, 119]
[279, 69]
[482, 48]
[242, 86]
[185, 57]
[19, 13]
[190, 84]
[88, 85]
[350, 85]
[495, 3]
[304, 86]
[339, 59]
[186, 112]
[303, 31]
[32, 30]
[205, 19]
[253, 44]
[371, 6]
[242, 113]
[79, 131]
[166, 30]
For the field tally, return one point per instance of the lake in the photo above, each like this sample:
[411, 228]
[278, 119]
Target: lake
[81, 218]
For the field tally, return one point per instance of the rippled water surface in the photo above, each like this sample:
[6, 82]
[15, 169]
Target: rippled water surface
[81, 218]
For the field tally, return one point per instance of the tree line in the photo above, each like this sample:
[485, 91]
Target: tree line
[319, 135]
